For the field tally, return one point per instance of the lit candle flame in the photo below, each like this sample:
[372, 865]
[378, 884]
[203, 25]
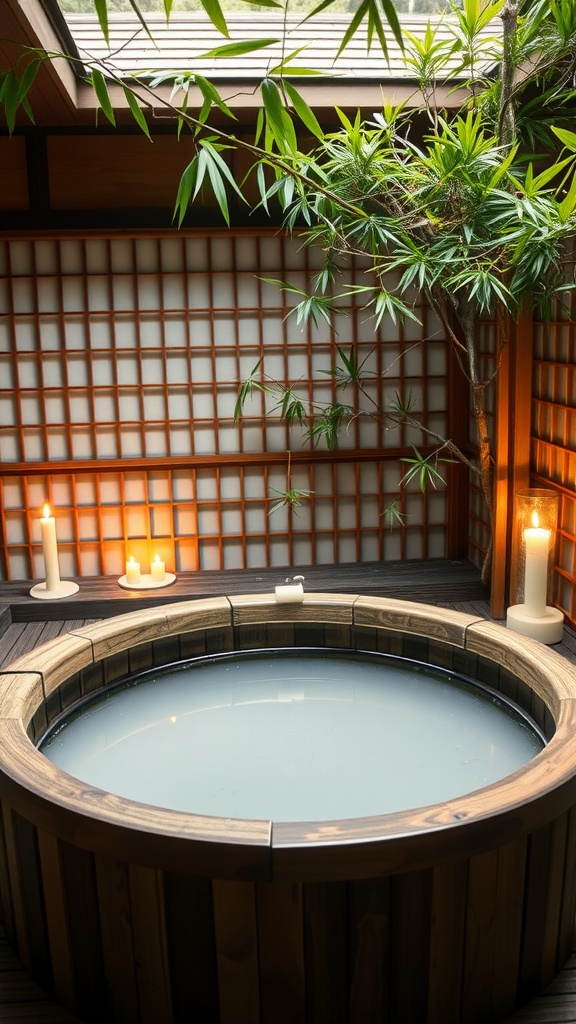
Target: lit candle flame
[157, 559]
[46, 511]
[535, 520]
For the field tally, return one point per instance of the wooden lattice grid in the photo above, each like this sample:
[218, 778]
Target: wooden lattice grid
[120, 364]
[554, 442]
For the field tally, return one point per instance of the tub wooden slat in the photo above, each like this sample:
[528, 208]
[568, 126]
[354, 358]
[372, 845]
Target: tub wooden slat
[236, 926]
[281, 953]
[61, 658]
[21, 694]
[250, 608]
[113, 888]
[326, 952]
[539, 849]
[448, 918]
[59, 938]
[523, 657]
[568, 907]
[191, 948]
[25, 837]
[511, 882]
[151, 623]
[150, 944]
[554, 883]
[369, 916]
[480, 937]
[411, 904]
[83, 919]
[17, 886]
[411, 617]
[5, 884]
[141, 657]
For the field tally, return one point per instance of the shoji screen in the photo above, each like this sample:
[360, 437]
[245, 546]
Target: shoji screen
[120, 361]
[554, 442]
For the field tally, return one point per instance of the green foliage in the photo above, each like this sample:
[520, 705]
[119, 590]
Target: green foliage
[467, 202]
[424, 469]
[291, 499]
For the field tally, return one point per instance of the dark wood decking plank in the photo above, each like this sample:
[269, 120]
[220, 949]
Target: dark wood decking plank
[436, 581]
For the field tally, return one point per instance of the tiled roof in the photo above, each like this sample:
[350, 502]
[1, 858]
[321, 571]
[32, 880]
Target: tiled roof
[182, 44]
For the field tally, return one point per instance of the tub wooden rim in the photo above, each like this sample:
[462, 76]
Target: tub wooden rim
[407, 840]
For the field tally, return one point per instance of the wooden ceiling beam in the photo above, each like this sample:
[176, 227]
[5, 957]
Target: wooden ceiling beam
[54, 96]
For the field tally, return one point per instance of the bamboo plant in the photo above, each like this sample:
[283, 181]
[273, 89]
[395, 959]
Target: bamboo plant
[470, 206]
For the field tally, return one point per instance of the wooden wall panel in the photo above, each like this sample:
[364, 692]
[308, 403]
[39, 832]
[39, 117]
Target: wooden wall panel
[14, 191]
[115, 171]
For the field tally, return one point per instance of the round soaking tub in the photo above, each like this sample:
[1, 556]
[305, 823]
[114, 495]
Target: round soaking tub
[456, 911]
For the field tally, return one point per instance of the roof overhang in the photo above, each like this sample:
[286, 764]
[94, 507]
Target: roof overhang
[359, 78]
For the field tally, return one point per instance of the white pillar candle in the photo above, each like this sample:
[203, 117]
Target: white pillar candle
[158, 570]
[132, 571]
[50, 550]
[537, 541]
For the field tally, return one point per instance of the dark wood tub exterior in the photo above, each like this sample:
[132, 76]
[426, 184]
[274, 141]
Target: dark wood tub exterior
[457, 912]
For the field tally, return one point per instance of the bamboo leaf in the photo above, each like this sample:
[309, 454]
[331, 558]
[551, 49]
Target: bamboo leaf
[550, 173]
[136, 111]
[304, 112]
[101, 7]
[238, 49]
[185, 188]
[291, 499]
[277, 118]
[394, 515]
[211, 98]
[566, 137]
[10, 89]
[566, 207]
[27, 79]
[141, 19]
[218, 186]
[216, 15]
[101, 90]
[222, 165]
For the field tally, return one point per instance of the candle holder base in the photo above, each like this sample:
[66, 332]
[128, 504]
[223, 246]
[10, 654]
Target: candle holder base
[146, 582]
[547, 628]
[65, 589]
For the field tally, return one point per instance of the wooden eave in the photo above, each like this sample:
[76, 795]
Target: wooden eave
[23, 23]
[358, 79]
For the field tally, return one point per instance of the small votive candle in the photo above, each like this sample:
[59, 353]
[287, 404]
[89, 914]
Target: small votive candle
[132, 570]
[158, 570]
[290, 593]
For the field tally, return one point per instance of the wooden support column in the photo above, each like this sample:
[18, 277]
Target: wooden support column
[511, 451]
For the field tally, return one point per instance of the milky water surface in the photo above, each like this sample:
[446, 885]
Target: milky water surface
[293, 738]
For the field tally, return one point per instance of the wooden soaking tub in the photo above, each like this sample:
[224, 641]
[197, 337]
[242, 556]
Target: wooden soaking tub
[456, 912]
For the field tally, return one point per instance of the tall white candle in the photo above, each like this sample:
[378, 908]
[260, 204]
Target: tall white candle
[537, 541]
[50, 550]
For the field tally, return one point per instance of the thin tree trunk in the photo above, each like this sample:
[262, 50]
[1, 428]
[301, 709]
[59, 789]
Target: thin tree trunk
[506, 114]
[479, 410]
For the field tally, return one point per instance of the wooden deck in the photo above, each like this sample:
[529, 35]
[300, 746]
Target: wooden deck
[26, 623]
